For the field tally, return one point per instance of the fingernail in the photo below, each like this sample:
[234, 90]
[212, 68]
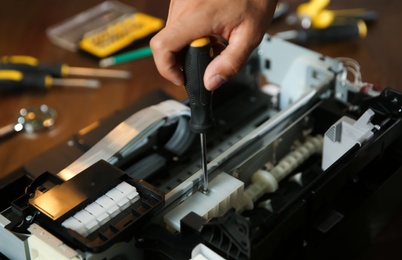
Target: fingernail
[214, 82]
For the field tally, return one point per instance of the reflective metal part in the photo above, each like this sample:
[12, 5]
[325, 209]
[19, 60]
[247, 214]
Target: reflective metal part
[32, 119]
[204, 163]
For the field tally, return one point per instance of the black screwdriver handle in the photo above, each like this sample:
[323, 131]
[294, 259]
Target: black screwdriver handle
[333, 33]
[198, 56]
[51, 70]
[30, 64]
[13, 80]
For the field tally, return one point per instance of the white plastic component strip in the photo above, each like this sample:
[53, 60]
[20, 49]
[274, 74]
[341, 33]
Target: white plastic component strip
[133, 132]
[344, 134]
[13, 246]
[103, 209]
[43, 245]
[225, 192]
[202, 252]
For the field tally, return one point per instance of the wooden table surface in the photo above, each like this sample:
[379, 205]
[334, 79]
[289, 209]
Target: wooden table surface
[23, 27]
[23, 32]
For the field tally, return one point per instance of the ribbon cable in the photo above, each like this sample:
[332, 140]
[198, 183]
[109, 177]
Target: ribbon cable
[128, 136]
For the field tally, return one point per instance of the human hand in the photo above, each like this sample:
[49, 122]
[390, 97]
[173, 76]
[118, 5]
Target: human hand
[241, 23]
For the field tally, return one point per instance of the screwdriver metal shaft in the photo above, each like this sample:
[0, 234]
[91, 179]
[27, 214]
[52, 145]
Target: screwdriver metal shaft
[99, 73]
[86, 83]
[203, 139]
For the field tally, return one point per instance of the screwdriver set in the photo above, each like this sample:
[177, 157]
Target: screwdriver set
[119, 34]
[104, 29]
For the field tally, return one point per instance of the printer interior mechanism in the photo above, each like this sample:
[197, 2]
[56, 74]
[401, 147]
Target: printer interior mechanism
[303, 162]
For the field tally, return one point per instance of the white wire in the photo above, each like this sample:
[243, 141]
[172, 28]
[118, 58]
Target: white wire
[352, 67]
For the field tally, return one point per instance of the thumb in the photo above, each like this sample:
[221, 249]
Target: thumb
[227, 64]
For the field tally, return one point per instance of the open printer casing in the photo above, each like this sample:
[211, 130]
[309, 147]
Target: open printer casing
[325, 214]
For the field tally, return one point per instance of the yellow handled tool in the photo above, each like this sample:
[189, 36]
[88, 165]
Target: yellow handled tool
[314, 14]
[32, 65]
[14, 80]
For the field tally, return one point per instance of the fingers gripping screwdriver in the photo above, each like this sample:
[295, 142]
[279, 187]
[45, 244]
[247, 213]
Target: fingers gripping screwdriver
[198, 56]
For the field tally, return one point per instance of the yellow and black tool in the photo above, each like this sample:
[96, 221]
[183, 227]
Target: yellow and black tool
[32, 65]
[14, 80]
[313, 14]
[334, 33]
[199, 55]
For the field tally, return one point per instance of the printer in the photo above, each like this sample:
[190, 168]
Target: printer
[303, 162]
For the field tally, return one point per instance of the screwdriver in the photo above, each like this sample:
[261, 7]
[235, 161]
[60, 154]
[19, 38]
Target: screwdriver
[333, 33]
[31, 64]
[198, 56]
[313, 14]
[14, 80]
